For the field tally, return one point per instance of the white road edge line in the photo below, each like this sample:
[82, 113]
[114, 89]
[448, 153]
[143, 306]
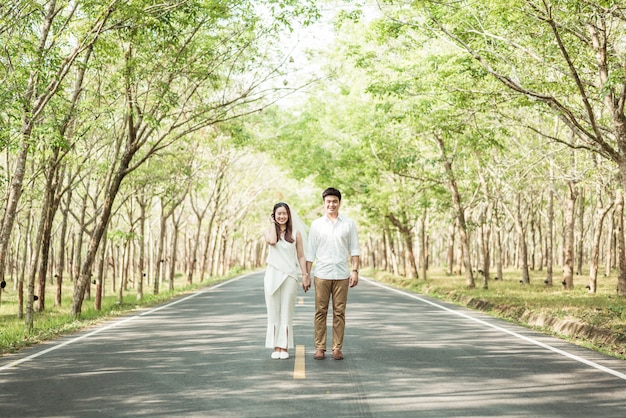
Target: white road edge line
[116, 324]
[506, 331]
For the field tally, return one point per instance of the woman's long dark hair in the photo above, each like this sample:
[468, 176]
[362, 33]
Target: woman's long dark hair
[288, 231]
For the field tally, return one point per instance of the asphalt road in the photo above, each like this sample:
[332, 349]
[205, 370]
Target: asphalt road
[406, 356]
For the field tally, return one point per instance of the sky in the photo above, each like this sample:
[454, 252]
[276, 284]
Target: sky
[305, 42]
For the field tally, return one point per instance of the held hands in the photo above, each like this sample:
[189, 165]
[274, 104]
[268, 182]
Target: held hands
[306, 282]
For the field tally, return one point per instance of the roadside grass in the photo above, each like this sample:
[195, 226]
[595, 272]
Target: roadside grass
[596, 321]
[56, 321]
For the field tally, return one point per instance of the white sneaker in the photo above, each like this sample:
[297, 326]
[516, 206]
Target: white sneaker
[284, 355]
[275, 355]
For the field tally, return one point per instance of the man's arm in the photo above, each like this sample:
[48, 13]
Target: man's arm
[354, 253]
[354, 276]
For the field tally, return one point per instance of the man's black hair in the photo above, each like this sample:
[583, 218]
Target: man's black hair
[331, 191]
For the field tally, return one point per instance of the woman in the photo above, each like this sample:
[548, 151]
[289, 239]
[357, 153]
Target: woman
[285, 262]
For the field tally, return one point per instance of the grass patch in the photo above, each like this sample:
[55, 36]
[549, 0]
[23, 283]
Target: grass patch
[596, 321]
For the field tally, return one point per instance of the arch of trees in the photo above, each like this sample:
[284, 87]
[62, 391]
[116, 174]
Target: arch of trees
[469, 137]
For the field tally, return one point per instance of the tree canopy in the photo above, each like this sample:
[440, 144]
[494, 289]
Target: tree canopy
[147, 139]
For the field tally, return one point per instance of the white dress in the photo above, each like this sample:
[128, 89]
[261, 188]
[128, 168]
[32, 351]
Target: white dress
[281, 285]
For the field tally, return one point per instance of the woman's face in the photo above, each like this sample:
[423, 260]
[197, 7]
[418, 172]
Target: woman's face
[281, 216]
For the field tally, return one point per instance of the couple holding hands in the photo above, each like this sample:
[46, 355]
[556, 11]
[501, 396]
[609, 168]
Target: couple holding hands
[333, 245]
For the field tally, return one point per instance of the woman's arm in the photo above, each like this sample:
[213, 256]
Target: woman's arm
[270, 233]
[306, 280]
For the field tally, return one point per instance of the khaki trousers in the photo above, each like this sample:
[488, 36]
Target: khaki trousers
[324, 290]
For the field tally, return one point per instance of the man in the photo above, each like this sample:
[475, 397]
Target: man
[334, 247]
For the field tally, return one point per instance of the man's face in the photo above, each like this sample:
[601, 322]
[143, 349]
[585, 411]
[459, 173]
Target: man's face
[331, 205]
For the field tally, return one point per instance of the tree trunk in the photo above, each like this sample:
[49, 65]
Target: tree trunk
[121, 262]
[206, 263]
[423, 245]
[621, 245]
[50, 207]
[211, 238]
[460, 214]
[23, 272]
[406, 232]
[523, 247]
[222, 261]
[581, 232]
[610, 246]
[531, 257]
[101, 224]
[15, 192]
[176, 220]
[485, 235]
[205, 254]
[100, 286]
[459, 259]
[568, 238]
[541, 245]
[451, 236]
[117, 268]
[32, 297]
[595, 249]
[142, 245]
[385, 249]
[391, 246]
[60, 268]
[549, 237]
[371, 253]
[42, 246]
[78, 251]
[126, 261]
[160, 264]
[193, 253]
[499, 259]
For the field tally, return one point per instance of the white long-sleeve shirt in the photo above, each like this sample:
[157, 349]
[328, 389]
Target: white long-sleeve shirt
[331, 244]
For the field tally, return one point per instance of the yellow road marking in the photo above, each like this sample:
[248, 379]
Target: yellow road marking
[298, 367]
[300, 300]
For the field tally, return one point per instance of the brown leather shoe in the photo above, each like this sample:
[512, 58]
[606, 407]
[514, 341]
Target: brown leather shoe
[337, 355]
[319, 355]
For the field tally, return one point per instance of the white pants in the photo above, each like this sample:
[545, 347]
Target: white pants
[280, 307]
